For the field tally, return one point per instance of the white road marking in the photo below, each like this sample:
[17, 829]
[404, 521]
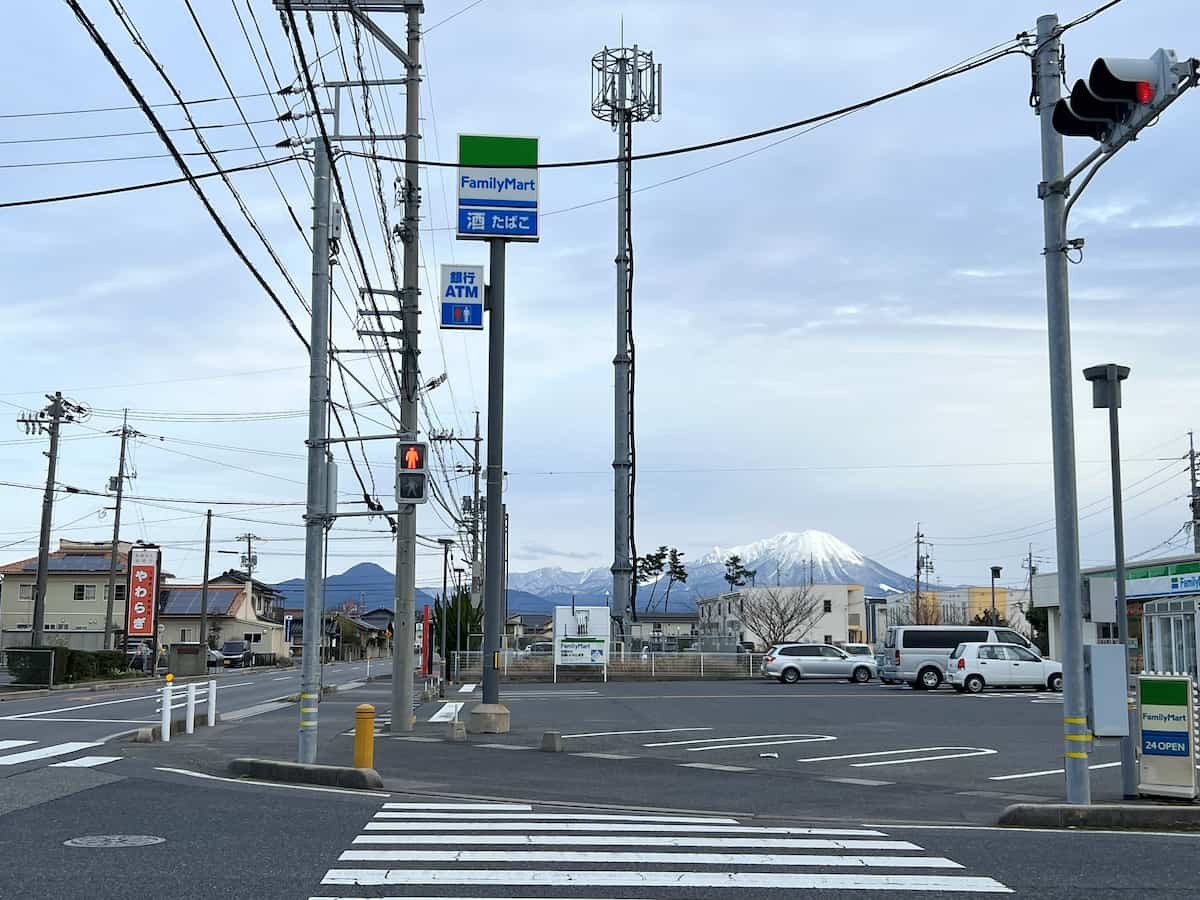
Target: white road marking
[447, 713]
[715, 767]
[506, 897]
[974, 751]
[413, 737]
[631, 827]
[634, 857]
[66, 720]
[8, 745]
[970, 751]
[503, 747]
[155, 696]
[553, 817]
[257, 710]
[440, 807]
[1107, 765]
[748, 737]
[648, 731]
[84, 762]
[44, 752]
[865, 782]
[468, 688]
[351, 685]
[590, 840]
[604, 755]
[273, 784]
[284, 678]
[609, 878]
[807, 739]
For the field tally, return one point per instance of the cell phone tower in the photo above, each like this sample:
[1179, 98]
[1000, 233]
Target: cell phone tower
[626, 88]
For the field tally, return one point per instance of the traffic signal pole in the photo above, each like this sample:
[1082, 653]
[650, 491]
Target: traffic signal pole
[1053, 190]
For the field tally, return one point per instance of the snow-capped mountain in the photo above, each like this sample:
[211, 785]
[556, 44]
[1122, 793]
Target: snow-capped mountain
[788, 558]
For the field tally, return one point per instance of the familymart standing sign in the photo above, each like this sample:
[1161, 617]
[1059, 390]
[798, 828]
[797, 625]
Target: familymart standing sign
[497, 187]
[1167, 736]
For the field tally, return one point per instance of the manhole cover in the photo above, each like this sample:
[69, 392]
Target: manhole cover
[106, 841]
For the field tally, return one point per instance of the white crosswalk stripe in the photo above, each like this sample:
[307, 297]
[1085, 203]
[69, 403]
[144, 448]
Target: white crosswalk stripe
[483, 850]
[50, 754]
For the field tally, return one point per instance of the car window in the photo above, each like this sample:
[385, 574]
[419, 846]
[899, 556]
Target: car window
[941, 638]
[989, 652]
[808, 651]
[831, 651]
[1005, 636]
[1020, 654]
[958, 651]
[890, 639]
[789, 651]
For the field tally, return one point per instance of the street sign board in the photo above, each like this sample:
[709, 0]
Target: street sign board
[581, 637]
[1166, 734]
[497, 187]
[143, 590]
[462, 297]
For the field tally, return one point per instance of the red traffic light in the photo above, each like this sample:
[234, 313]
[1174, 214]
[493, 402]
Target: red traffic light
[1144, 92]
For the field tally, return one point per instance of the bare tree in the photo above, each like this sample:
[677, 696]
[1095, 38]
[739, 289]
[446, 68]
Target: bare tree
[782, 613]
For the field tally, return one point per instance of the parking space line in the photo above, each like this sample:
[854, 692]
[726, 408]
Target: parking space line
[862, 782]
[1107, 765]
[715, 767]
[467, 688]
[806, 739]
[970, 751]
[748, 737]
[647, 731]
[604, 755]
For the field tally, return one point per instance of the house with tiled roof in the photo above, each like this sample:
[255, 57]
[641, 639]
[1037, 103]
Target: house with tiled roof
[239, 609]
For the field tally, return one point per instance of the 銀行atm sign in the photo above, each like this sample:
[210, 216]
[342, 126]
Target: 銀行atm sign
[143, 589]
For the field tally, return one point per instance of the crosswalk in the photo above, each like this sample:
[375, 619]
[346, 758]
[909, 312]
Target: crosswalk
[481, 850]
[23, 752]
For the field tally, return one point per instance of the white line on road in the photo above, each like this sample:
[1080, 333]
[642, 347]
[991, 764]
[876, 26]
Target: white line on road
[806, 739]
[631, 827]
[975, 751]
[554, 817]
[604, 755]
[66, 720]
[447, 713]
[284, 678]
[468, 688]
[43, 752]
[863, 782]
[1107, 765]
[636, 858]
[609, 878]
[8, 745]
[619, 840]
[84, 762]
[257, 710]
[494, 807]
[748, 737]
[715, 767]
[503, 747]
[971, 751]
[273, 784]
[154, 696]
[647, 731]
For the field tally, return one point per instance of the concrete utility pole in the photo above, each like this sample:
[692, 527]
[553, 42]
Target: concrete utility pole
[48, 420]
[204, 584]
[917, 601]
[446, 543]
[315, 513]
[1052, 190]
[249, 560]
[476, 527]
[1195, 495]
[626, 88]
[114, 562]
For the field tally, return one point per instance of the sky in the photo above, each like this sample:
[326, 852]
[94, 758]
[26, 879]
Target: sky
[844, 330]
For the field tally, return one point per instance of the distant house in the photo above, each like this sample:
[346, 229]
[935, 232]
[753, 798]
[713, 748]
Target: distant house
[665, 631]
[839, 615]
[526, 628]
[345, 637]
[238, 610]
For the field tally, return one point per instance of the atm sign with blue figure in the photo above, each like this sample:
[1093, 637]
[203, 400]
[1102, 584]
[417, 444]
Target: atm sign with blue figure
[462, 297]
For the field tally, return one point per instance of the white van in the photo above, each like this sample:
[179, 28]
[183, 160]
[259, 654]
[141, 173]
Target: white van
[919, 654]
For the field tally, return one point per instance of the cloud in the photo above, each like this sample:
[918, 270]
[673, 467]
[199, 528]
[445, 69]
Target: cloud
[541, 551]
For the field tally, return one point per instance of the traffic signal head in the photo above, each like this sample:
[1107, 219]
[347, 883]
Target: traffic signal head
[412, 481]
[1120, 97]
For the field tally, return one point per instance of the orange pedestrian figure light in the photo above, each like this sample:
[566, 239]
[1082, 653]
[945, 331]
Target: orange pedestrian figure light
[412, 458]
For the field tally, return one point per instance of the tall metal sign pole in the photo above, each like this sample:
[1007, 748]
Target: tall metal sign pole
[315, 512]
[1052, 190]
[625, 89]
[497, 202]
[114, 562]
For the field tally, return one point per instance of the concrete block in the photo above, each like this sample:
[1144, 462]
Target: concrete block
[1117, 816]
[489, 718]
[302, 773]
[456, 731]
[145, 735]
[552, 741]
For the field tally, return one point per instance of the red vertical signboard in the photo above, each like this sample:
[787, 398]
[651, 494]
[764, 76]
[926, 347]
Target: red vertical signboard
[143, 589]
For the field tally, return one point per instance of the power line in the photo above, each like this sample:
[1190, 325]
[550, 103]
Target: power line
[469, 6]
[102, 109]
[142, 156]
[117, 134]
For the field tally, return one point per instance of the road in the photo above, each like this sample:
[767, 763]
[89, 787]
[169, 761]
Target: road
[82, 728]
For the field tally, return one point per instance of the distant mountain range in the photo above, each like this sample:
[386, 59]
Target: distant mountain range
[789, 558]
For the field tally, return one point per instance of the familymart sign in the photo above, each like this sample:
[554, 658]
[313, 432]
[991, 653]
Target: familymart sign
[1167, 736]
[497, 187]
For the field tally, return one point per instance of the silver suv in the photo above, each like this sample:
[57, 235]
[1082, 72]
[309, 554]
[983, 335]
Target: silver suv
[791, 662]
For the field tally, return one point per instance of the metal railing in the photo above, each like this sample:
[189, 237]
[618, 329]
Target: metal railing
[467, 665]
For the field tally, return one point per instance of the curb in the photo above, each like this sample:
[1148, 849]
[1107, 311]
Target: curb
[1116, 816]
[303, 773]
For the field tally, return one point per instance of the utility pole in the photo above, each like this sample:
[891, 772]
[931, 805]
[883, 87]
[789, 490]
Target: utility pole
[917, 601]
[250, 561]
[446, 543]
[476, 527]
[114, 562]
[47, 420]
[626, 88]
[204, 584]
[1195, 495]
[1052, 190]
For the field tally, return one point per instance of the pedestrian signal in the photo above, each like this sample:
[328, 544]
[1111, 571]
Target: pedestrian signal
[411, 477]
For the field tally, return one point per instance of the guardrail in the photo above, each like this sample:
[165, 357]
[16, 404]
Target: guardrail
[166, 708]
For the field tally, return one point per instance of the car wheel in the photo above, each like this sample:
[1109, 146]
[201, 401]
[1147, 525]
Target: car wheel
[930, 678]
[973, 684]
[1055, 682]
[789, 676]
[861, 675]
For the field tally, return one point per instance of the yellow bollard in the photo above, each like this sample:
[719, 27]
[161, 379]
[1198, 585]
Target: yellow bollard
[364, 736]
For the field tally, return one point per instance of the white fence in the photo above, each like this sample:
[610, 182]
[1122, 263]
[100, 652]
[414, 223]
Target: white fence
[466, 666]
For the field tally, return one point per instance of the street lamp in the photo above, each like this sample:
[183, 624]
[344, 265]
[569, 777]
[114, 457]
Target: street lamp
[1106, 394]
[995, 575]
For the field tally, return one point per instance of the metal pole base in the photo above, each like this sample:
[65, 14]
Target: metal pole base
[489, 718]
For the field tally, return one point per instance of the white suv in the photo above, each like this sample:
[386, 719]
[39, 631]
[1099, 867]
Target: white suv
[977, 665]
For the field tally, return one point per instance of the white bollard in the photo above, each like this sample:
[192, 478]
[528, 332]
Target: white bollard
[190, 722]
[212, 704]
[165, 721]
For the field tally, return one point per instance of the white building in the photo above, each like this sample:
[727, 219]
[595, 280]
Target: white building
[841, 616]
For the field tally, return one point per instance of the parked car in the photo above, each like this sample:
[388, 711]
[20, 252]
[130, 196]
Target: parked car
[136, 656]
[977, 665]
[791, 662]
[858, 649]
[237, 654]
[539, 647]
[216, 659]
[919, 654]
